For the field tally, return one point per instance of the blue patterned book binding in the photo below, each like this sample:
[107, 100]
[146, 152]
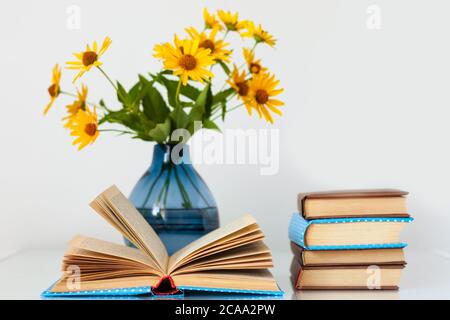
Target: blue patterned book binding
[136, 291]
[299, 226]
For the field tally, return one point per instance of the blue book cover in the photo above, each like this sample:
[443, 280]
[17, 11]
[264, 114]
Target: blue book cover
[300, 229]
[148, 291]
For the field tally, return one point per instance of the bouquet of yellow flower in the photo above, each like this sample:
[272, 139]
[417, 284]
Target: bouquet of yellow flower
[186, 80]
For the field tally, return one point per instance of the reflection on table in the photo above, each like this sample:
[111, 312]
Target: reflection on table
[345, 295]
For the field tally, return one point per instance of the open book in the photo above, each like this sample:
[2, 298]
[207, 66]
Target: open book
[232, 258]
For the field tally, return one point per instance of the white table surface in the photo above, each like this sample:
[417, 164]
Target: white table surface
[26, 274]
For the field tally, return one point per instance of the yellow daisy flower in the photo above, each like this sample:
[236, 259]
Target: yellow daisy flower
[254, 66]
[79, 104]
[217, 47]
[188, 61]
[238, 82]
[160, 49]
[211, 21]
[231, 21]
[84, 127]
[258, 34]
[88, 58]
[54, 89]
[262, 87]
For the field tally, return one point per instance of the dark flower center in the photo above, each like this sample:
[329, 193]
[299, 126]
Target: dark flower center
[255, 68]
[261, 96]
[77, 105]
[259, 38]
[231, 26]
[90, 129]
[89, 57]
[207, 44]
[243, 88]
[188, 62]
[53, 90]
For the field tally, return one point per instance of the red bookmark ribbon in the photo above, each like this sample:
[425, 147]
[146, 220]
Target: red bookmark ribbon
[165, 286]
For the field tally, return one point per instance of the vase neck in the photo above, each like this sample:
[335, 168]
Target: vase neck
[173, 154]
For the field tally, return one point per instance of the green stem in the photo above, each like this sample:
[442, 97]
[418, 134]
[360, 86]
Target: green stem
[228, 111]
[88, 102]
[166, 187]
[195, 187]
[242, 65]
[177, 93]
[186, 201]
[254, 46]
[252, 50]
[108, 78]
[116, 130]
[224, 85]
[101, 106]
[225, 35]
[239, 68]
[150, 191]
[68, 94]
[218, 106]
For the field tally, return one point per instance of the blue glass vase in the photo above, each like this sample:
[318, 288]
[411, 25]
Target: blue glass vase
[174, 199]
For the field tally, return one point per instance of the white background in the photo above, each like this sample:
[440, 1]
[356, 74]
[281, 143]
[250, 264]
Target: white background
[364, 108]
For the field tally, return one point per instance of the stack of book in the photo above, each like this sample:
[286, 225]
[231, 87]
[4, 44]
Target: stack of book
[348, 239]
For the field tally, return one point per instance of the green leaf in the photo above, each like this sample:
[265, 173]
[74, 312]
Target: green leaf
[133, 94]
[200, 109]
[180, 118]
[161, 131]
[209, 124]
[187, 91]
[224, 110]
[122, 94]
[133, 97]
[222, 96]
[171, 88]
[185, 104]
[123, 117]
[208, 102]
[225, 67]
[154, 106]
[166, 72]
[136, 121]
[145, 85]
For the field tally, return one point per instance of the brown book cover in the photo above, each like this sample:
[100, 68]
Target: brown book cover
[350, 194]
[298, 270]
[300, 253]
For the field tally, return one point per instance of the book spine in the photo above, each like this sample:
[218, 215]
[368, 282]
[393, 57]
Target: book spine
[297, 251]
[296, 270]
[297, 229]
[301, 204]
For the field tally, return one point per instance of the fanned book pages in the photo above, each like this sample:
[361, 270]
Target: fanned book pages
[232, 258]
